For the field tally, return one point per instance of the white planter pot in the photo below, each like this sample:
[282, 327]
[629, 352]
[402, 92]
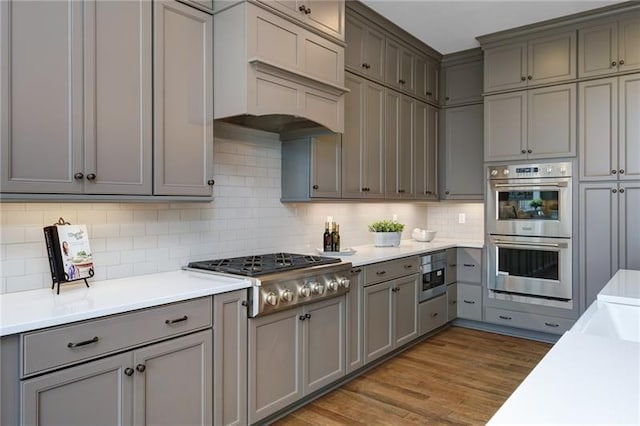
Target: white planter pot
[387, 239]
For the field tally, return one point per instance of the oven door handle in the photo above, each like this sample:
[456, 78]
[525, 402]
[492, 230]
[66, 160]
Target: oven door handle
[523, 244]
[529, 185]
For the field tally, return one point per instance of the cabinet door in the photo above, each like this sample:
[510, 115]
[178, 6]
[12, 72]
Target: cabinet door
[275, 370]
[355, 329]
[174, 381]
[353, 141]
[552, 122]
[505, 67]
[505, 126]
[41, 96]
[355, 37]
[405, 147]
[117, 97]
[469, 301]
[552, 58]
[433, 80]
[323, 342]
[469, 265]
[405, 316]
[598, 129]
[463, 83]
[598, 236]
[183, 100]
[407, 71]
[420, 75]
[629, 226]
[374, 55]
[230, 358]
[598, 50]
[433, 314]
[96, 393]
[325, 166]
[629, 45]
[393, 61]
[374, 140]
[425, 151]
[452, 301]
[464, 173]
[327, 16]
[399, 129]
[629, 127]
[378, 320]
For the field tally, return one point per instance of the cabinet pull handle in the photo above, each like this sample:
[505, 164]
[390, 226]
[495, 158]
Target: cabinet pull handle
[529, 77]
[91, 176]
[141, 368]
[429, 93]
[381, 272]
[408, 266]
[614, 190]
[401, 81]
[211, 182]
[504, 317]
[470, 302]
[621, 61]
[523, 78]
[447, 98]
[78, 176]
[550, 324]
[622, 190]
[621, 171]
[613, 64]
[301, 318]
[128, 371]
[401, 191]
[72, 345]
[356, 271]
[453, 302]
[427, 192]
[307, 316]
[433, 315]
[173, 321]
[453, 265]
[469, 265]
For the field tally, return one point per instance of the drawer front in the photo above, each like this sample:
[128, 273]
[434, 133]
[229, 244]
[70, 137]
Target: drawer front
[65, 345]
[452, 302]
[529, 321]
[433, 314]
[470, 265]
[385, 271]
[469, 301]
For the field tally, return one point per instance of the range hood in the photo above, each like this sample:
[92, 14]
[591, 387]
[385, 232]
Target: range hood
[272, 74]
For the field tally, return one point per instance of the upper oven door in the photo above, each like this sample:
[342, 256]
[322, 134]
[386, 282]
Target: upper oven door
[530, 207]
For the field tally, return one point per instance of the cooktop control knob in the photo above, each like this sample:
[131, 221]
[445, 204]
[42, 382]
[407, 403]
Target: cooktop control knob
[344, 282]
[494, 172]
[318, 289]
[548, 170]
[304, 291]
[286, 296]
[505, 172]
[271, 299]
[333, 285]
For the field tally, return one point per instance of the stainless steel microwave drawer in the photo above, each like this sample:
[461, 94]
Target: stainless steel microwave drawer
[470, 265]
[529, 321]
[65, 345]
[391, 269]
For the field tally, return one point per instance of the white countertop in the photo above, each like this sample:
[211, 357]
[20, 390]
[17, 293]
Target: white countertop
[30, 310]
[368, 254]
[623, 288]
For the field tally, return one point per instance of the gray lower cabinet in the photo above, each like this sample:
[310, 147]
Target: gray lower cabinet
[165, 383]
[433, 314]
[355, 328]
[390, 315]
[84, 125]
[399, 140]
[293, 353]
[609, 233]
[469, 304]
[608, 129]
[311, 168]
[183, 100]
[469, 285]
[527, 320]
[230, 358]
[452, 302]
[533, 124]
[425, 151]
[463, 152]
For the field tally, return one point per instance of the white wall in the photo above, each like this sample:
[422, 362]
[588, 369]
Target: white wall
[246, 217]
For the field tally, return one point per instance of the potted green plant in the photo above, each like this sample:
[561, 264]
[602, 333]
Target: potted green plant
[387, 233]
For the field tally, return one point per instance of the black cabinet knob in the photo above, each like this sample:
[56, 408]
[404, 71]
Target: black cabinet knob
[622, 190]
[614, 190]
[524, 151]
[301, 318]
[78, 176]
[315, 187]
[613, 172]
[621, 171]
[141, 368]
[211, 182]
[529, 151]
[128, 371]
[529, 77]
[523, 78]
[447, 98]
[446, 192]
[302, 9]
[308, 11]
[621, 61]
[244, 303]
[91, 176]
[307, 316]
[613, 64]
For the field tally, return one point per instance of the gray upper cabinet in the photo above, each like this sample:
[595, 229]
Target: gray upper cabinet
[463, 83]
[364, 53]
[84, 126]
[363, 152]
[311, 168]
[400, 68]
[326, 16]
[399, 140]
[427, 78]
[538, 60]
[425, 151]
[463, 147]
[183, 100]
[533, 124]
[609, 129]
[609, 47]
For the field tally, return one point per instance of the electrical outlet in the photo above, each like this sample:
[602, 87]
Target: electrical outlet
[395, 217]
[462, 218]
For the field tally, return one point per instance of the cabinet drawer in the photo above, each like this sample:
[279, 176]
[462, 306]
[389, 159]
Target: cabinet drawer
[529, 321]
[60, 346]
[469, 301]
[433, 314]
[470, 265]
[391, 269]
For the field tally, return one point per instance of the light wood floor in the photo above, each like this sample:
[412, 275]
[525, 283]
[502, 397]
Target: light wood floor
[458, 377]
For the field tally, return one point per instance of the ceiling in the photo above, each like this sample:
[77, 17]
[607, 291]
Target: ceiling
[450, 25]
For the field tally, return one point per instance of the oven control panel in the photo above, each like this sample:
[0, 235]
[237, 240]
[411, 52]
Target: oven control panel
[520, 171]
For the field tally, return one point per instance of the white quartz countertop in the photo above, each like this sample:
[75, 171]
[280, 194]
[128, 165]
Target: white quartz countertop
[623, 288]
[31, 310]
[367, 254]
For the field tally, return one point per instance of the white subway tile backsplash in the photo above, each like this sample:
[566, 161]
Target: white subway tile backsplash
[119, 271]
[118, 243]
[13, 268]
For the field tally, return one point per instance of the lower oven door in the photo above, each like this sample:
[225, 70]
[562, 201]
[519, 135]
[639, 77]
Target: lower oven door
[530, 266]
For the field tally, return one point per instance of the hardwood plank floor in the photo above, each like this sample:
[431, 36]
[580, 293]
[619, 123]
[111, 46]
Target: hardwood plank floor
[457, 377]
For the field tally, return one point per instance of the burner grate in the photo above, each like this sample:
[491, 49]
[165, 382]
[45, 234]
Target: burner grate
[263, 264]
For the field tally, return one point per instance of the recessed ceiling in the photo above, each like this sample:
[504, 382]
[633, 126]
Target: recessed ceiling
[450, 26]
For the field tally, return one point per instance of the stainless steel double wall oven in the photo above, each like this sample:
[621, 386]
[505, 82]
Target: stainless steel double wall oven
[529, 222]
